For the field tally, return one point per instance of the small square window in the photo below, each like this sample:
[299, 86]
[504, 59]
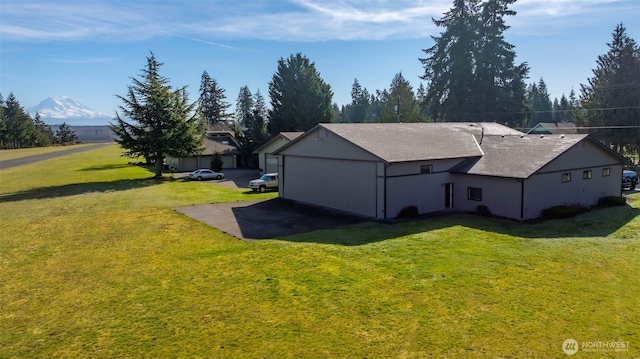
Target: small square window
[426, 169]
[606, 172]
[474, 194]
[566, 177]
[586, 174]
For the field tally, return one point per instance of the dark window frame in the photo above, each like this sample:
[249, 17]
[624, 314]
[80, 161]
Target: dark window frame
[606, 172]
[586, 174]
[474, 194]
[566, 177]
[426, 169]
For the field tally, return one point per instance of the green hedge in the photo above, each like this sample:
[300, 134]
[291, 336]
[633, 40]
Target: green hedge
[612, 201]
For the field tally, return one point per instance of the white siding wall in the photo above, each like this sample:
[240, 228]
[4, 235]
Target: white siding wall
[266, 160]
[340, 184]
[500, 195]
[406, 186]
[426, 192]
[547, 189]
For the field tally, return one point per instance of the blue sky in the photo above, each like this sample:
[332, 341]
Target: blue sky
[90, 49]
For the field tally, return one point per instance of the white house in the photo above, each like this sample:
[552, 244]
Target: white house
[268, 162]
[220, 141]
[377, 170]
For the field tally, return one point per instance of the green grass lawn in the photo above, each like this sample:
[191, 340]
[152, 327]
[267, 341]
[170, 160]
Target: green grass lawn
[26, 152]
[94, 262]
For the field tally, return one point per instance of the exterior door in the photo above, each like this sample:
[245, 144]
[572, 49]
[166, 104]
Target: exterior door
[448, 195]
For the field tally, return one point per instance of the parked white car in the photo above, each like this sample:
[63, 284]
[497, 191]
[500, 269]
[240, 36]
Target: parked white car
[205, 174]
[262, 184]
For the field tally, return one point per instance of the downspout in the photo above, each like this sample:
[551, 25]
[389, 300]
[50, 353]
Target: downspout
[384, 195]
[521, 199]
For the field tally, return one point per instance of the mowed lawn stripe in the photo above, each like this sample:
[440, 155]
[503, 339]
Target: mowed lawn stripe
[95, 263]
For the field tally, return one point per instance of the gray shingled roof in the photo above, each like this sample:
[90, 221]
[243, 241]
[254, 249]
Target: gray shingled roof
[519, 156]
[212, 146]
[401, 142]
[288, 135]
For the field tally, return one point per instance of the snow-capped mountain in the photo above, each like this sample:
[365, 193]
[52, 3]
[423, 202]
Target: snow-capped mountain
[56, 110]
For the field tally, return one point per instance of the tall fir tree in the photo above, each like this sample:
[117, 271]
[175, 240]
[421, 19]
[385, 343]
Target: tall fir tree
[244, 106]
[212, 102]
[249, 127]
[541, 105]
[19, 129]
[470, 70]
[3, 123]
[161, 120]
[300, 99]
[612, 96]
[401, 104]
[359, 108]
[450, 61]
[44, 134]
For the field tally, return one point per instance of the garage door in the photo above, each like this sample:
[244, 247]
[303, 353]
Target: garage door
[339, 184]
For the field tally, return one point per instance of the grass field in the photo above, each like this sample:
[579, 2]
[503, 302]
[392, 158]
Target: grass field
[94, 263]
[26, 152]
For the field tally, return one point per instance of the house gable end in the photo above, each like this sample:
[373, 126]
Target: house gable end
[319, 142]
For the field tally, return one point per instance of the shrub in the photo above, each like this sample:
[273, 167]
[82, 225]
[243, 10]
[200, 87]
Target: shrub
[216, 162]
[559, 212]
[408, 212]
[483, 210]
[612, 201]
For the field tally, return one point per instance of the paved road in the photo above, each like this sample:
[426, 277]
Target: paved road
[47, 156]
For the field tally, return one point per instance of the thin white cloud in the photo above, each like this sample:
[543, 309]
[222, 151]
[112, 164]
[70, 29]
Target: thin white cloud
[209, 21]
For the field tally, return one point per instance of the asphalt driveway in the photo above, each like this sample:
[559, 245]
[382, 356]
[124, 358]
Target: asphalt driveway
[265, 219]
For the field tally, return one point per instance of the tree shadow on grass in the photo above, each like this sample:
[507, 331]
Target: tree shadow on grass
[106, 167]
[78, 188]
[597, 223]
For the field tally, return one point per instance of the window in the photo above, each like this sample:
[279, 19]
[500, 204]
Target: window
[606, 172]
[425, 169]
[586, 174]
[474, 194]
[566, 177]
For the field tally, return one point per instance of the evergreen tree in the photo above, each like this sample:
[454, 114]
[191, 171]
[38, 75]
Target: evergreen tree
[538, 98]
[359, 109]
[562, 110]
[338, 113]
[612, 96]
[211, 103]
[421, 97]
[19, 128]
[250, 129]
[65, 135]
[3, 124]
[43, 135]
[401, 104]
[244, 106]
[260, 105]
[216, 162]
[300, 99]
[449, 65]
[162, 120]
[470, 69]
